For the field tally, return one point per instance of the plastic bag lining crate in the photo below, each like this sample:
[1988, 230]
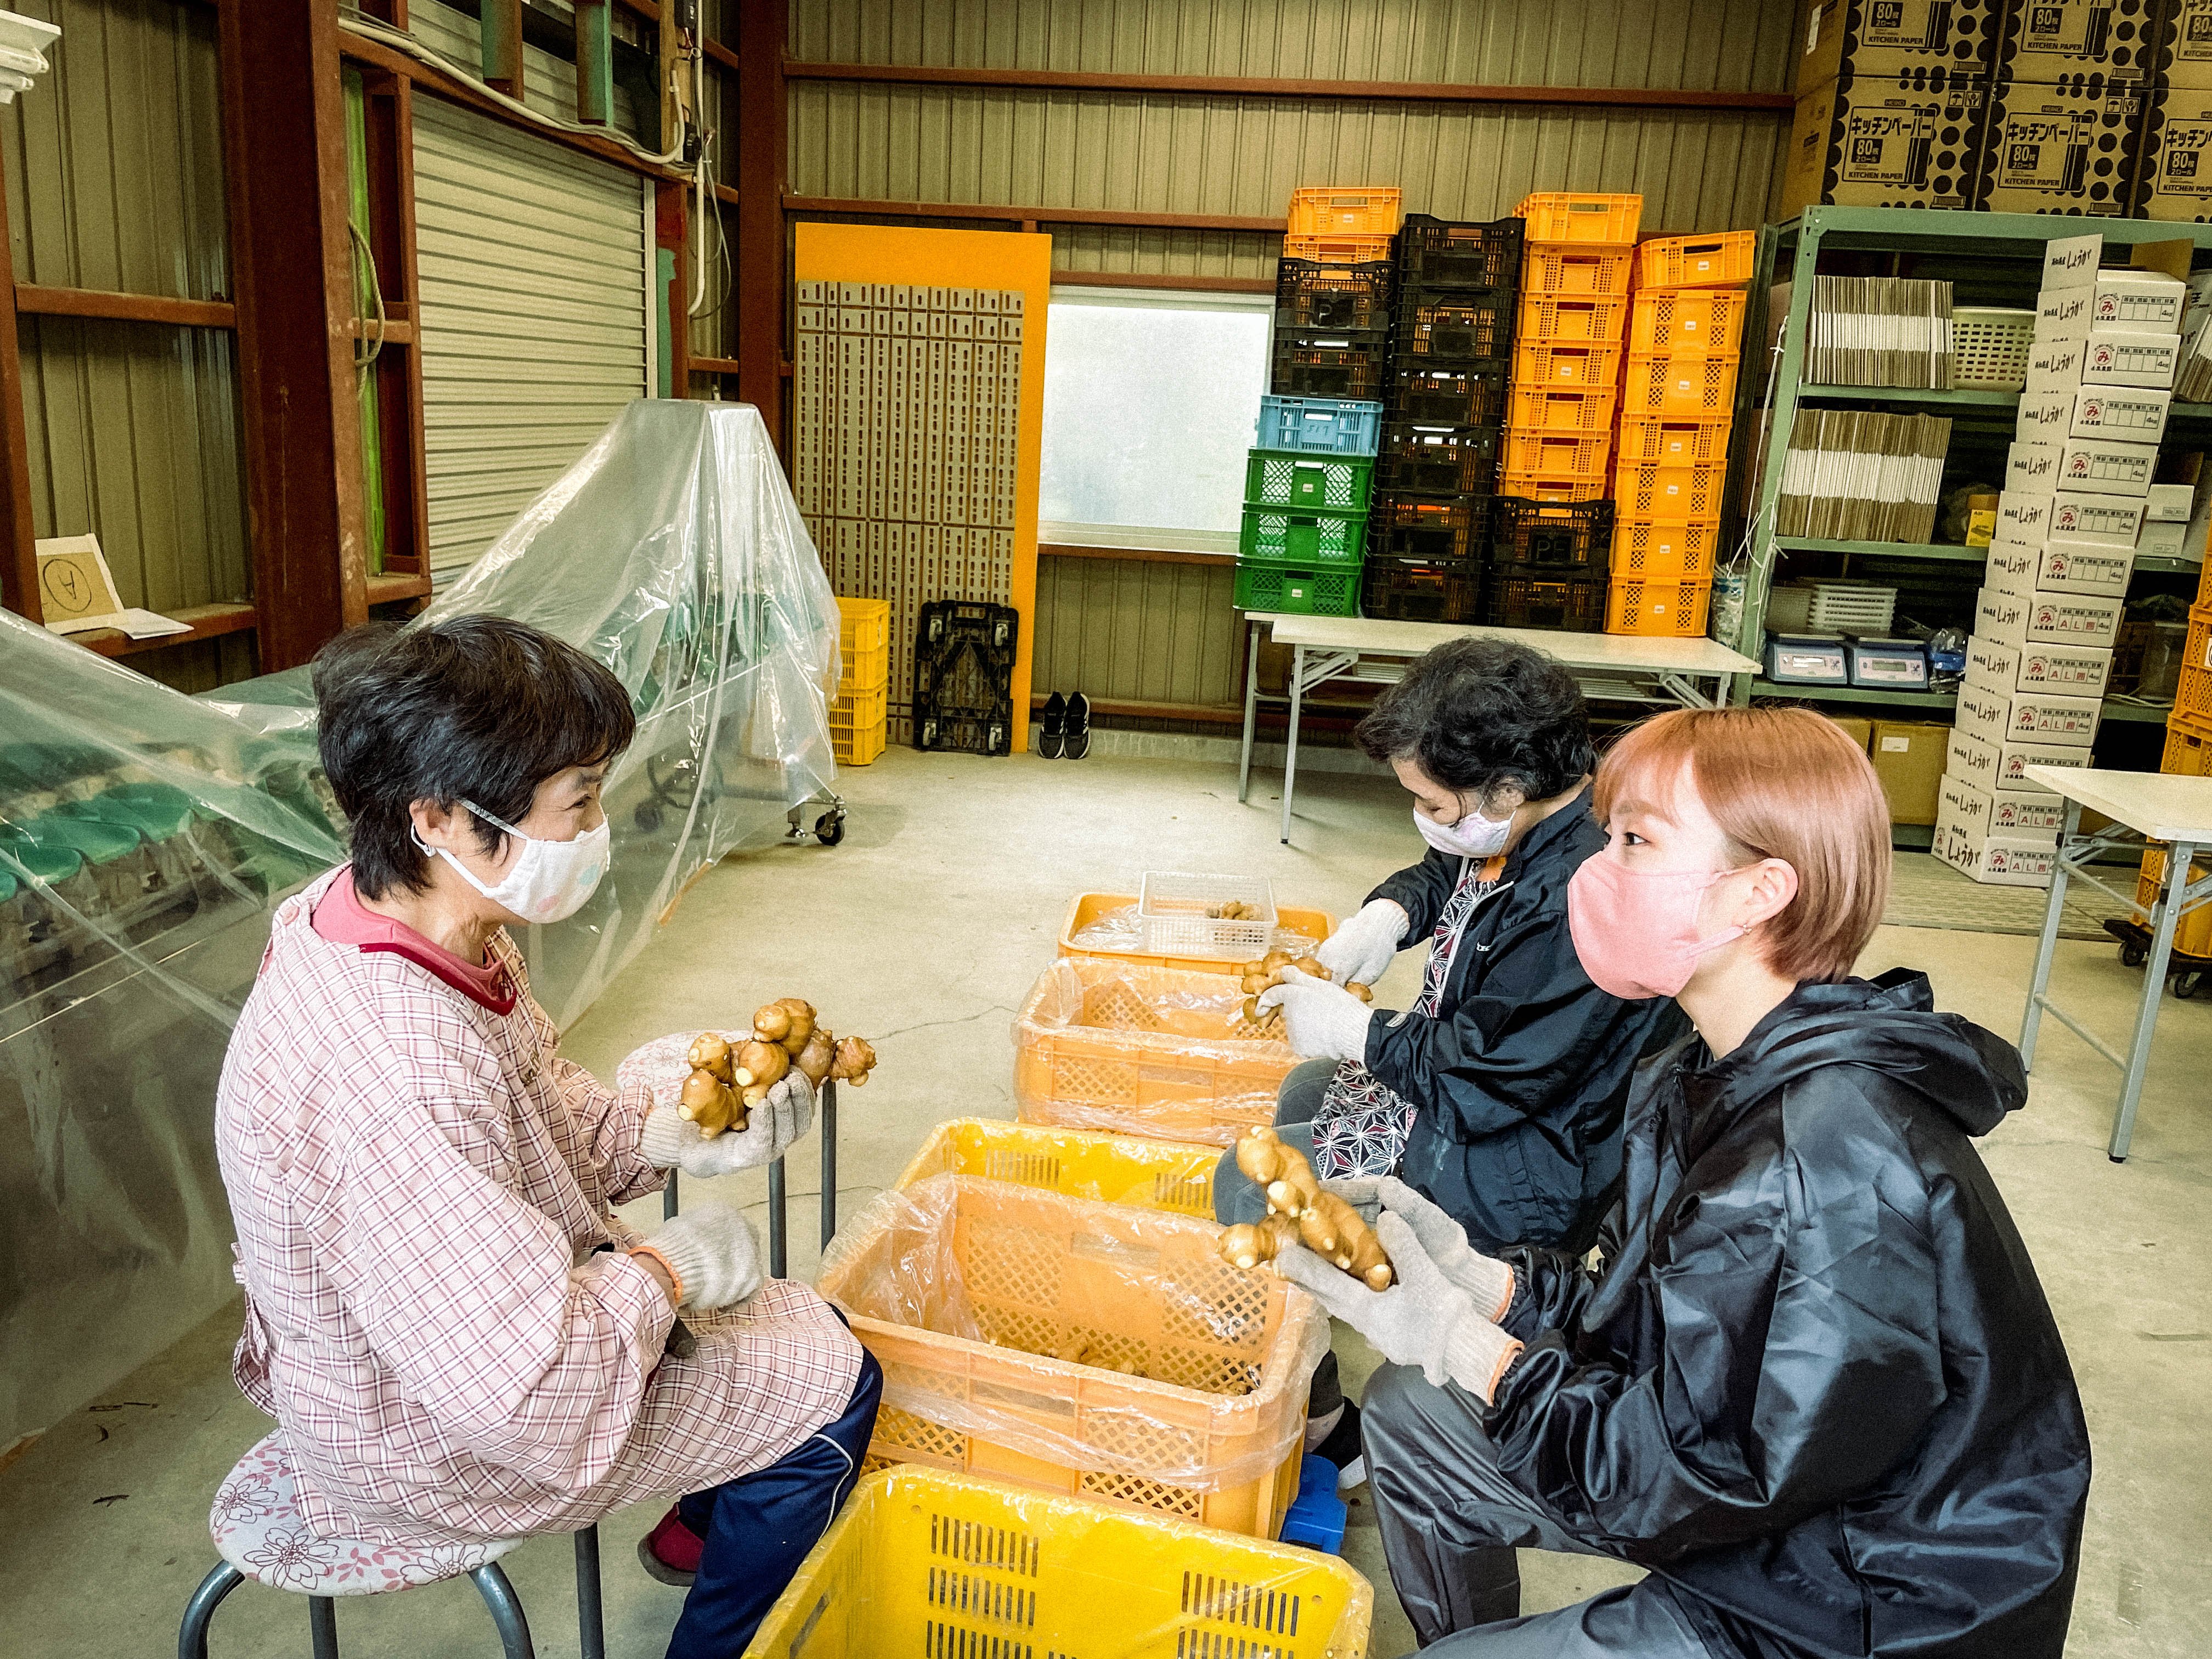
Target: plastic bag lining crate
[1644, 439]
[1585, 272]
[1422, 590]
[1991, 346]
[966, 1289]
[1572, 317]
[1537, 408]
[1694, 322]
[1538, 595]
[1568, 367]
[1304, 484]
[1137, 1174]
[1337, 366]
[1646, 552]
[1087, 911]
[1664, 387]
[1283, 535]
[1318, 426]
[1449, 393]
[963, 667]
[1658, 609]
[1559, 487]
[1429, 527]
[1456, 326]
[1449, 460]
[1703, 261]
[1582, 217]
[1541, 533]
[1175, 909]
[1557, 454]
[1313, 297]
[1297, 590]
[1439, 253]
[923, 1561]
[1101, 1044]
[1677, 494]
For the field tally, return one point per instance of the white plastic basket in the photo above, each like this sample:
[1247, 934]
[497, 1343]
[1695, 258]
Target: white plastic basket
[1172, 910]
[1989, 346]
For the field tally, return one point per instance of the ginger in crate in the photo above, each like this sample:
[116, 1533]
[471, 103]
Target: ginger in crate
[1298, 1207]
[726, 1081]
[1233, 910]
[1257, 976]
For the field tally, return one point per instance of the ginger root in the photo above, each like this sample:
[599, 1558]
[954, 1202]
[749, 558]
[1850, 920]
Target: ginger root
[815, 1058]
[1248, 1243]
[854, 1059]
[1257, 976]
[727, 1081]
[710, 1102]
[1298, 1208]
[1234, 910]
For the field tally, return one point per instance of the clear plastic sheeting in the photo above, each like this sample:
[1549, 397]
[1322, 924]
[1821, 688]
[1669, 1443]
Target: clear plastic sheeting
[1100, 1044]
[1104, 1340]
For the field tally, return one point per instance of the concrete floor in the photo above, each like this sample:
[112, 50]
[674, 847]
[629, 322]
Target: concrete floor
[924, 929]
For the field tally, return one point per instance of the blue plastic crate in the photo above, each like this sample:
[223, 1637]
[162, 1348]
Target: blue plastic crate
[1318, 1516]
[1320, 426]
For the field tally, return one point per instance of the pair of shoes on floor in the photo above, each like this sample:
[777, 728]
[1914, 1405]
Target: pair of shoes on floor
[1066, 731]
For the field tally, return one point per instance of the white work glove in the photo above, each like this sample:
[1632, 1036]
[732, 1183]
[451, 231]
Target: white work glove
[672, 1142]
[711, 1249]
[1365, 946]
[1423, 1319]
[1326, 1021]
[1487, 1281]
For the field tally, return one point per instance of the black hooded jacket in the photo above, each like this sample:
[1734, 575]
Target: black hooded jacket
[1817, 1387]
[1521, 1079]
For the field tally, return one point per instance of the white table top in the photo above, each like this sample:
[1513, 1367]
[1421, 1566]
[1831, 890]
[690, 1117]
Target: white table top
[1621, 653]
[2162, 805]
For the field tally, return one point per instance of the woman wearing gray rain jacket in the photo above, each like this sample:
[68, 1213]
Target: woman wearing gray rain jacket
[1816, 1387]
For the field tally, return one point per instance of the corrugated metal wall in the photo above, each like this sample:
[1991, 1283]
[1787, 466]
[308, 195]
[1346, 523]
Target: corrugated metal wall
[548, 83]
[1130, 632]
[115, 181]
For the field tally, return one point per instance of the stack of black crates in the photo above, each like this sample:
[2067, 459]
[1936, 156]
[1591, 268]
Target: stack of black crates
[1444, 402]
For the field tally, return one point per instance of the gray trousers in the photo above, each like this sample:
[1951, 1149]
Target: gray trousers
[1450, 1522]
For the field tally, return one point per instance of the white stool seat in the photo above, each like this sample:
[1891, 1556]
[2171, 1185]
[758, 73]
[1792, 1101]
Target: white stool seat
[257, 1529]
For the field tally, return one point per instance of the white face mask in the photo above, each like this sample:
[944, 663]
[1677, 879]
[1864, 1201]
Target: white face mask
[1473, 837]
[551, 878]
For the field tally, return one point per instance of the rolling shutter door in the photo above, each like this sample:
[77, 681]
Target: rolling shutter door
[532, 264]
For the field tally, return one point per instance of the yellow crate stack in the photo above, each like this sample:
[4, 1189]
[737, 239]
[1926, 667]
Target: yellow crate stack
[1575, 273]
[859, 715]
[2188, 753]
[1684, 342]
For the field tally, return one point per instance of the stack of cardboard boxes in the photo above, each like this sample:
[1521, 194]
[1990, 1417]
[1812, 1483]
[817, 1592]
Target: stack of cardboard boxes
[2077, 485]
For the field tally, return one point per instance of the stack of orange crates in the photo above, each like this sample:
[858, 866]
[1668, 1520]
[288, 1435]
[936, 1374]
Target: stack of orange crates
[1574, 273]
[1677, 399]
[1342, 225]
[2189, 753]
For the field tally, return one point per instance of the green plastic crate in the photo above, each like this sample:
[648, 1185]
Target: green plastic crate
[1307, 590]
[1279, 535]
[1307, 483]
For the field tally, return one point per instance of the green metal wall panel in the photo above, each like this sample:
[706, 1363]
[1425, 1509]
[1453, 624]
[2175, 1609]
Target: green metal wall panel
[548, 83]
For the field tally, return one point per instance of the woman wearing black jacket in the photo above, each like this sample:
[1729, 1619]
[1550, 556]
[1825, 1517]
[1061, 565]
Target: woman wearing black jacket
[1815, 1388]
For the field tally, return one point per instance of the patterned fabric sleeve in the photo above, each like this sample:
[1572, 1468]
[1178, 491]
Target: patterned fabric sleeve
[612, 1123]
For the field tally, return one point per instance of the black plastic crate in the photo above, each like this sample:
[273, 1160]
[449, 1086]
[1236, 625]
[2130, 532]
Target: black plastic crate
[1445, 461]
[1449, 393]
[1313, 297]
[1422, 590]
[1344, 365]
[1457, 327]
[963, 667]
[1428, 527]
[1553, 534]
[1442, 253]
[1540, 596]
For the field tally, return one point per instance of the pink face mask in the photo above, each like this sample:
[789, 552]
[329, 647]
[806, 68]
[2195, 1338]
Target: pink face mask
[1635, 931]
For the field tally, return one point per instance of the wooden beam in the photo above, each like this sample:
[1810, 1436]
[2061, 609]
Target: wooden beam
[1151, 279]
[1131, 555]
[394, 333]
[19, 564]
[207, 622]
[716, 366]
[397, 585]
[401, 407]
[671, 212]
[595, 63]
[284, 153]
[1333, 91]
[499, 40]
[720, 54]
[648, 9]
[727, 193]
[1045, 215]
[127, 307]
[761, 292]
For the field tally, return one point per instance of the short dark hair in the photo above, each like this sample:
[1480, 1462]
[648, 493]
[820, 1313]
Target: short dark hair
[478, 706]
[1477, 713]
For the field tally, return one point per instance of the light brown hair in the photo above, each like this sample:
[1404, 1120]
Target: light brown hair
[1782, 783]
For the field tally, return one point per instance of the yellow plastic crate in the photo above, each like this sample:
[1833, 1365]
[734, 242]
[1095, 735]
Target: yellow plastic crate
[1541, 365]
[1345, 211]
[1673, 494]
[1696, 322]
[2193, 692]
[1099, 1044]
[857, 723]
[1534, 408]
[1536, 487]
[864, 643]
[1581, 217]
[1674, 442]
[1137, 1174]
[1708, 261]
[1556, 455]
[2188, 744]
[1560, 318]
[926, 1563]
[1338, 250]
[1659, 386]
[1575, 271]
[1644, 551]
[1660, 610]
[1090, 907]
[1210, 1426]
[2192, 934]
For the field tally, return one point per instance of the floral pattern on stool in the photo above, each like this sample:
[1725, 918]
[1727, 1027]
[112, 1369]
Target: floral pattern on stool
[257, 1528]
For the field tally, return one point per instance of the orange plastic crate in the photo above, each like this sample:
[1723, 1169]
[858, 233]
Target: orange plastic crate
[1089, 908]
[1709, 261]
[2188, 744]
[1534, 408]
[1534, 486]
[2192, 694]
[1663, 387]
[2192, 934]
[1577, 216]
[1346, 211]
[1673, 494]
[1585, 272]
[1338, 250]
[1660, 609]
[1673, 443]
[1556, 455]
[1538, 364]
[1695, 322]
[1569, 317]
[1644, 551]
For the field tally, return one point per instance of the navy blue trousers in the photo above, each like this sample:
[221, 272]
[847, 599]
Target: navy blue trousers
[759, 1527]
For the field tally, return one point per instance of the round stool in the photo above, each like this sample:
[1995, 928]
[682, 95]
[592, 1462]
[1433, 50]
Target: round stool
[260, 1534]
